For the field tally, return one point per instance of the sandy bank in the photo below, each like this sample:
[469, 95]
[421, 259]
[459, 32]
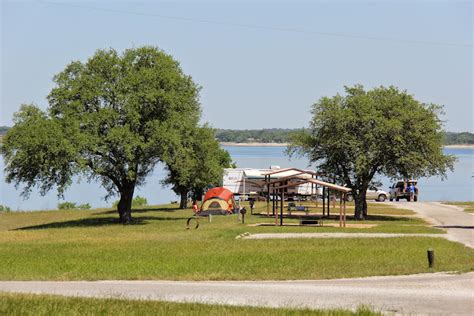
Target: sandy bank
[460, 146]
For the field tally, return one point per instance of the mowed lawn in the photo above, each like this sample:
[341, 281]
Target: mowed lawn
[24, 304]
[91, 245]
[467, 206]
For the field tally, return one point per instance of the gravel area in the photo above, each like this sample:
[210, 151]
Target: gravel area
[437, 293]
[333, 235]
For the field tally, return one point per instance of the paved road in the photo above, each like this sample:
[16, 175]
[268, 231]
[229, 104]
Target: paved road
[424, 293]
[458, 224]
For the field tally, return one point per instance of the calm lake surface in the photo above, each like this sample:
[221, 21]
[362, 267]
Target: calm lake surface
[459, 186]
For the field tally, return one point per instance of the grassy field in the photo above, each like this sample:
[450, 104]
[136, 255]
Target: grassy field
[467, 206]
[22, 304]
[91, 245]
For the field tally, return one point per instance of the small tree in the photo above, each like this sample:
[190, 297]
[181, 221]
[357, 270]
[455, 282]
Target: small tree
[198, 163]
[383, 131]
[111, 119]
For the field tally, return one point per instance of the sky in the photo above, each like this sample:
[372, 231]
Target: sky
[261, 64]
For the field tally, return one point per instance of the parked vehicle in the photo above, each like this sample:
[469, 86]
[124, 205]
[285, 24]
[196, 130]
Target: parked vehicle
[376, 194]
[372, 194]
[399, 190]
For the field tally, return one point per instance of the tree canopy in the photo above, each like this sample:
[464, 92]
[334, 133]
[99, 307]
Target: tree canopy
[383, 131]
[111, 119]
[196, 164]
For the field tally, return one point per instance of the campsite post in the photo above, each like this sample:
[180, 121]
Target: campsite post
[243, 211]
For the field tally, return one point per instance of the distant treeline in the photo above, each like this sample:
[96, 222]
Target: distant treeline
[459, 138]
[271, 135]
[282, 135]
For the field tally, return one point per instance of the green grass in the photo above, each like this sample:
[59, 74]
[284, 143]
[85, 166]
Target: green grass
[91, 245]
[24, 304]
[467, 206]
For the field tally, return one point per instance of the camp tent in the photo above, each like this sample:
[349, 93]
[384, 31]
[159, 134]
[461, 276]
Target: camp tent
[217, 201]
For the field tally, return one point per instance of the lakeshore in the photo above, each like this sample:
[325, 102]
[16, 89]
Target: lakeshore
[254, 144]
[457, 187]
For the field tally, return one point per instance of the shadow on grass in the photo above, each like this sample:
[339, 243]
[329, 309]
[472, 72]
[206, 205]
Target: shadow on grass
[141, 210]
[97, 222]
[456, 226]
[378, 218]
[387, 218]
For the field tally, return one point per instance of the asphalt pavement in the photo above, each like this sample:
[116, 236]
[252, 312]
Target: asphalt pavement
[458, 224]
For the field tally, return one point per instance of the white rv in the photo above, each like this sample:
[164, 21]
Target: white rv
[245, 181]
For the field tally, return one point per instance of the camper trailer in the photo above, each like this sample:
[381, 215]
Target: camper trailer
[249, 181]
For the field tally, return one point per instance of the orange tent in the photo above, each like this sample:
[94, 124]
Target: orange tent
[218, 201]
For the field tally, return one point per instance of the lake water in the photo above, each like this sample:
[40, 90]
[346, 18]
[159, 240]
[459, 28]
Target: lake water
[459, 186]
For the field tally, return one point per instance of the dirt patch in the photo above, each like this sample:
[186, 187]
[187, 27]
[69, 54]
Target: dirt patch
[330, 235]
[354, 225]
[315, 225]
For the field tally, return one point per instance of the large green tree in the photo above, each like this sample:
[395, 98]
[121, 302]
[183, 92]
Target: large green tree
[111, 119]
[383, 131]
[196, 164]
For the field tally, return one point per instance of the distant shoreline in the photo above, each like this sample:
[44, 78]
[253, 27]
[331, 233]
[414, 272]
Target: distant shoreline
[233, 144]
[460, 146]
[253, 144]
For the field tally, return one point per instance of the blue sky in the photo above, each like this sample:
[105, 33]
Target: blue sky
[252, 76]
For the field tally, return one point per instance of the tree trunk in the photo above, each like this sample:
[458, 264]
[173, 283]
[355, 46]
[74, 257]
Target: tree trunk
[360, 201]
[197, 194]
[184, 200]
[364, 207]
[124, 206]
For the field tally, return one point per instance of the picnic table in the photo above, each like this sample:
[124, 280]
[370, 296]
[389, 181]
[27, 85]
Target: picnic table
[315, 219]
[299, 208]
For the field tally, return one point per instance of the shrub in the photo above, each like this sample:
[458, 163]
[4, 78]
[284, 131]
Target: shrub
[85, 206]
[139, 201]
[4, 208]
[73, 206]
[67, 206]
[136, 202]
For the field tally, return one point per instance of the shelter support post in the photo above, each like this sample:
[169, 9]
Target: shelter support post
[328, 203]
[281, 206]
[340, 210]
[273, 202]
[324, 201]
[316, 188]
[275, 205]
[268, 194]
[344, 210]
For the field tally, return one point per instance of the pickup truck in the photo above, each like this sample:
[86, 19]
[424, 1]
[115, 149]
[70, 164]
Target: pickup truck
[399, 190]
